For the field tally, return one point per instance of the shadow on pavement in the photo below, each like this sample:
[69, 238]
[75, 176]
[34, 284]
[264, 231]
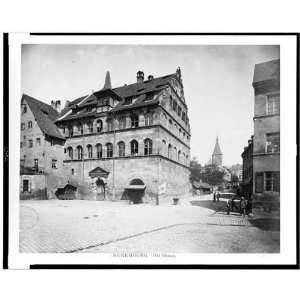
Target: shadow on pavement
[266, 224]
[216, 206]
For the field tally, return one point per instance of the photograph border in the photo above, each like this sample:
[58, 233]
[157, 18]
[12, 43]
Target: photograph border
[133, 266]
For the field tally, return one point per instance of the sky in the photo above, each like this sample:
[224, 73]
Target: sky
[217, 83]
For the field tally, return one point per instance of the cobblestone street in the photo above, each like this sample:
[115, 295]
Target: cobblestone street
[95, 226]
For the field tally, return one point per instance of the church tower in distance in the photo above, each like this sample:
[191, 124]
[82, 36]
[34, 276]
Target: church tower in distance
[217, 156]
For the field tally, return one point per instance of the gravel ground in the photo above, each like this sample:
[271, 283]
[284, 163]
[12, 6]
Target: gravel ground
[198, 238]
[59, 226]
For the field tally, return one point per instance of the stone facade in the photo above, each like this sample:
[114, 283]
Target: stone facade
[266, 139]
[132, 136]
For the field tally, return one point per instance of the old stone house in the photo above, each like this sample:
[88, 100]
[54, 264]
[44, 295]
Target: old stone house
[131, 142]
[266, 139]
[41, 148]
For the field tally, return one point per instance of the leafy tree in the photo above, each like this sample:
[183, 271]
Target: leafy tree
[195, 169]
[234, 178]
[212, 175]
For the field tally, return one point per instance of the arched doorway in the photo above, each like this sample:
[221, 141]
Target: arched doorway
[100, 189]
[136, 190]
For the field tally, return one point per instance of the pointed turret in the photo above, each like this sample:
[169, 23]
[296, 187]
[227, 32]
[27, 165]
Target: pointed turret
[107, 84]
[217, 150]
[217, 156]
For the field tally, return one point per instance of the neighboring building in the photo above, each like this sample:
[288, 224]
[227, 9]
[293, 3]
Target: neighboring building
[247, 179]
[41, 148]
[266, 140]
[130, 142]
[217, 156]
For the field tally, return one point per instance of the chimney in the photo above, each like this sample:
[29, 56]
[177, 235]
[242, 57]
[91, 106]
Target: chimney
[67, 103]
[58, 106]
[178, 73]
[140, 77]
[150, 77]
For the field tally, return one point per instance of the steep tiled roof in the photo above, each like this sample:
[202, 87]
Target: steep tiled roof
[269, 70]
[44, 115]
[140, 91]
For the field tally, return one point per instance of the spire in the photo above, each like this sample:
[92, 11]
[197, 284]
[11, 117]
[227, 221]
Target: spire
[107, 84]
[217, 150]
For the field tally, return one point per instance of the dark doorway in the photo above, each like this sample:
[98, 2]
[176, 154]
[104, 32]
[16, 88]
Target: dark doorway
[136, 191]
[100, 188]
[25, 185]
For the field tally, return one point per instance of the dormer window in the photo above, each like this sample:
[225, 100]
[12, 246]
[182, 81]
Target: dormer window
[24, 110]
[128, 101]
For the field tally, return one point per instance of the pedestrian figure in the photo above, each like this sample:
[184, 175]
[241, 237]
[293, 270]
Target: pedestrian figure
[243, 206]
[214, 197]
[218, 196]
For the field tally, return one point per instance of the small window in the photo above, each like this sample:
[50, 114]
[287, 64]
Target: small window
[72, 172]
[272, 181]
[38, 142]
[70, 153]
[148, 147]
[99, 150]
[90, 151]
[149, 119]
[22, 126]
[259, 182]
[109, 125]
[122, 122]
[29, 124]
[134, 147]
[273, 104]
[25, 185]
[121, 146]
[24, 108]
[272, 142]
[36, 163]
[134, 121]
[109, 150]
[54, 163]
[99, 126]
[90, 127]
[175, 105]
[30, 143]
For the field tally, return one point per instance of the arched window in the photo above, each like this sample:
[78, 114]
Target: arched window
[70, 152]
[175, 125]
[90, 151]
[170, 151]
[134, 120]
[148, 147]
[99, 125]
[149, 119]
[90, 127]
[179, 155]
[109, 150]
[99, 150]
[170, 122]
[179, 131]
[79, 152]
[121, 147]
[30, 124]
[134, 147]
[80, 128]
[175, 153]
